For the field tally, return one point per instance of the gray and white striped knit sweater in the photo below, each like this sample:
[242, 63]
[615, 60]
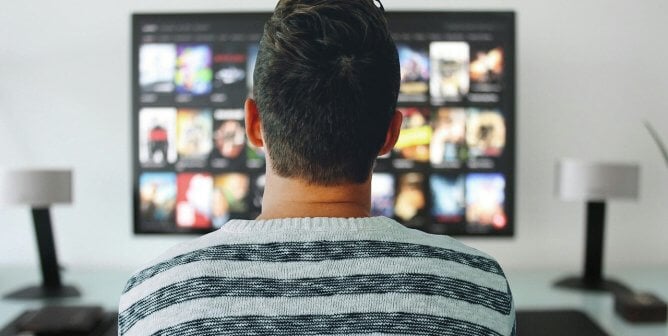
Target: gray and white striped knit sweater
[319, 276]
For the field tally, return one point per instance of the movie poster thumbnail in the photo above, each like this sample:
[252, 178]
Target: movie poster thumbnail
[157, 65]
[448, 199]
[414, 63]
[449, 80]
[255, 156]
[250, 66]
[193, 200]
[382, 195]
[157, 199]
[415, 135]
[448, 142]
[193, 69]
[194, 133]
[485, 200]
[256, 194]
[411, 203]
[229, 198]
[157, 137]
[229, 138]
[229, 77]
[485, 133]
[486, 69]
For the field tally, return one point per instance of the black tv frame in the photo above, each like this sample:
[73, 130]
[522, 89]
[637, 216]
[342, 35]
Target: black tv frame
[507, 18]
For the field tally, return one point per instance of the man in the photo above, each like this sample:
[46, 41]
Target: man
[314, 262]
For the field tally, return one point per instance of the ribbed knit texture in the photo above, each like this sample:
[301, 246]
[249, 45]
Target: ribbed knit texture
[319, 276]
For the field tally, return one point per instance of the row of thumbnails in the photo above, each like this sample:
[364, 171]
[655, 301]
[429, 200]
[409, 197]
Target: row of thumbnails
[430, 202]
[449, 138]
[439, 72]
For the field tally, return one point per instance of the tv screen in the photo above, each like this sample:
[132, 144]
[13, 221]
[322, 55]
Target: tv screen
[451, 171]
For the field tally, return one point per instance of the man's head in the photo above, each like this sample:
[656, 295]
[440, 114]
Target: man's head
[326, 82]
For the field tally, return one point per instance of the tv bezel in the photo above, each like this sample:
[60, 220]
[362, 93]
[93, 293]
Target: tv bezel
[507, 17]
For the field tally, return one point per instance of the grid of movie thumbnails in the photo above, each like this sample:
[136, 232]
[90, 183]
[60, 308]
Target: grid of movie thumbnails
[447, 173]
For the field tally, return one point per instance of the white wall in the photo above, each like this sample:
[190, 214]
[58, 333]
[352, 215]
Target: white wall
[588, 73]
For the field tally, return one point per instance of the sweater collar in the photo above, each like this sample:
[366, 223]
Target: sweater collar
[311, 224]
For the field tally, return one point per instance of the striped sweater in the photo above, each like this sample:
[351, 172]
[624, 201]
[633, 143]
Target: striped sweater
[319, 276]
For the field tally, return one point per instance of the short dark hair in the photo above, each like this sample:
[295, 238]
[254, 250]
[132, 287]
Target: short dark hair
[326, 85]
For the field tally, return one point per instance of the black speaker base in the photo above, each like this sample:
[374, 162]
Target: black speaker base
[577, 283]
[40, 292]
[108, 326]
[556, 323]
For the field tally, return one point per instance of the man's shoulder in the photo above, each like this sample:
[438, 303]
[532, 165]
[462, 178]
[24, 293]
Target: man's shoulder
[183, 253]
[446, 247]
[441, 241]
[159, 282]
[474, 274]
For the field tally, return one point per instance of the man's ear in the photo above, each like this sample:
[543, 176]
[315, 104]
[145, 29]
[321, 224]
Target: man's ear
[392, 133]
[253, 128]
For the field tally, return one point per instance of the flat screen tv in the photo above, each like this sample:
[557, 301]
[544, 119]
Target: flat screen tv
[451, 172]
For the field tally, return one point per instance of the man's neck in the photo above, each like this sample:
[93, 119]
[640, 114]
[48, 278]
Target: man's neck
[294, 198]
